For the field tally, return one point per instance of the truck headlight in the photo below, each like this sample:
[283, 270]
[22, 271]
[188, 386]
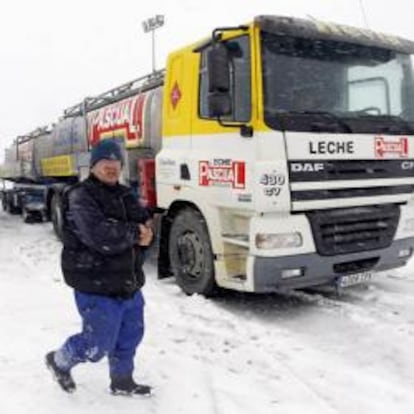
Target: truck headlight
[292, 273]
[405, 253]
[269, 241]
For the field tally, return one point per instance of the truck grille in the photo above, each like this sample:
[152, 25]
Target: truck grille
[330, 170]
[308, 195]
[351, 230]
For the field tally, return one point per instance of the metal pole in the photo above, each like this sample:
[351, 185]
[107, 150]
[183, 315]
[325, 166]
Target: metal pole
[85, 120]
[150, 25]
[364, 15]
[153, 50]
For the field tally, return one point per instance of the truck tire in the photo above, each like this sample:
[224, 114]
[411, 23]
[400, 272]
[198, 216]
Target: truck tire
[57, 215]
[11, 208]
[190, 254]
[3, 202]
[26, 216]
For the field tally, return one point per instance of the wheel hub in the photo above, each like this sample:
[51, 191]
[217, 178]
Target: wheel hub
[190, 254]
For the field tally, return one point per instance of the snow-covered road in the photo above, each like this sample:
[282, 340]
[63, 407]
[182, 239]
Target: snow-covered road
[297, 353]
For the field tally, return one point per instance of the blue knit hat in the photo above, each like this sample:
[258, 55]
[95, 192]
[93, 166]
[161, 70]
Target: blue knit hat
[108, 149]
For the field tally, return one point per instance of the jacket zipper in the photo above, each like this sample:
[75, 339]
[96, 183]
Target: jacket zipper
[134, 256]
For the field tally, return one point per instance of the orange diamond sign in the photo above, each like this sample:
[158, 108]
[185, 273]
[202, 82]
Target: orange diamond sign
[175, 95]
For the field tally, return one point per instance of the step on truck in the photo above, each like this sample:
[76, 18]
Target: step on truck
[280, 154]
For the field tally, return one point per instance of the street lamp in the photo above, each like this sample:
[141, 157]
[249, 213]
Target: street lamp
[150, 25]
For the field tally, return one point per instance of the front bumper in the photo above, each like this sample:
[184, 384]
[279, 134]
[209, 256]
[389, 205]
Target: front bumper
[320, 270]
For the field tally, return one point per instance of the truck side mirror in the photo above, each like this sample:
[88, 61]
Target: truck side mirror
[219, 104]
[218, 69]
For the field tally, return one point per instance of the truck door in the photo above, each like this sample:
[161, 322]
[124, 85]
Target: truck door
[222, 144]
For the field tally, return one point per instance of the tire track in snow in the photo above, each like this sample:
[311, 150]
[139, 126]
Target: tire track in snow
[255, 318]
[368, 307]
[217, 336]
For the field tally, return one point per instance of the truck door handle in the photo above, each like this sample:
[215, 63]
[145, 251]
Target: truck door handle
[185, 172]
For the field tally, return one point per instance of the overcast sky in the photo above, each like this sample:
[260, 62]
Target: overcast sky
[53, 53]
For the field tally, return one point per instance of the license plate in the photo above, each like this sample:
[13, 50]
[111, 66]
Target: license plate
[355, 279]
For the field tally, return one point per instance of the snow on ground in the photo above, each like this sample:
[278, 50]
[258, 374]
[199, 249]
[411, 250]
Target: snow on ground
[297, 353]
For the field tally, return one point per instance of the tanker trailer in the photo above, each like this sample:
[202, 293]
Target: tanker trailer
[21, 168]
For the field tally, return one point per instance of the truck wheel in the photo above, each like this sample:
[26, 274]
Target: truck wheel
[11, 208]
[4, 202]
[26, 215]
[57, 215]
[190, 253]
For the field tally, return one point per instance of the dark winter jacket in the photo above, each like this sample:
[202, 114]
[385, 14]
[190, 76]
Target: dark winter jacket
[100, 253]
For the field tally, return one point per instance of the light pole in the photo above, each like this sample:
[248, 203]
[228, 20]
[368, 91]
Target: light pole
[150, 25]
[364, 15]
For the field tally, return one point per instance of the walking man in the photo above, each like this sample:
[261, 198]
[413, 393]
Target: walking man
[104, 234]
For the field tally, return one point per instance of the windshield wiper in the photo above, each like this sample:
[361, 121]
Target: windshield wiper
[326, 114]
[397, 121]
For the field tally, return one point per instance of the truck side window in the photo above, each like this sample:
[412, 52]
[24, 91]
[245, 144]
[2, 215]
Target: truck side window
[239, 52]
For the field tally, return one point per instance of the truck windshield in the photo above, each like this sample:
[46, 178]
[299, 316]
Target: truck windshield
[325, 85]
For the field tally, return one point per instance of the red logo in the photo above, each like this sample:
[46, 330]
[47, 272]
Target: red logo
[175, 95]
[222, 172]
[391, 147]
[121, 119]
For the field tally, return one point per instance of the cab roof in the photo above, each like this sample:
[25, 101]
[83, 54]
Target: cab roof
[315, 29]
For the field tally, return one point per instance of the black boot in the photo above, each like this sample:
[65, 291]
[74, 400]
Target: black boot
[127, 386]
[63, 378]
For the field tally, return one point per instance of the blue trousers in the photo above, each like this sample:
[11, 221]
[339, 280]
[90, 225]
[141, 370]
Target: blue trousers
[110, 327]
